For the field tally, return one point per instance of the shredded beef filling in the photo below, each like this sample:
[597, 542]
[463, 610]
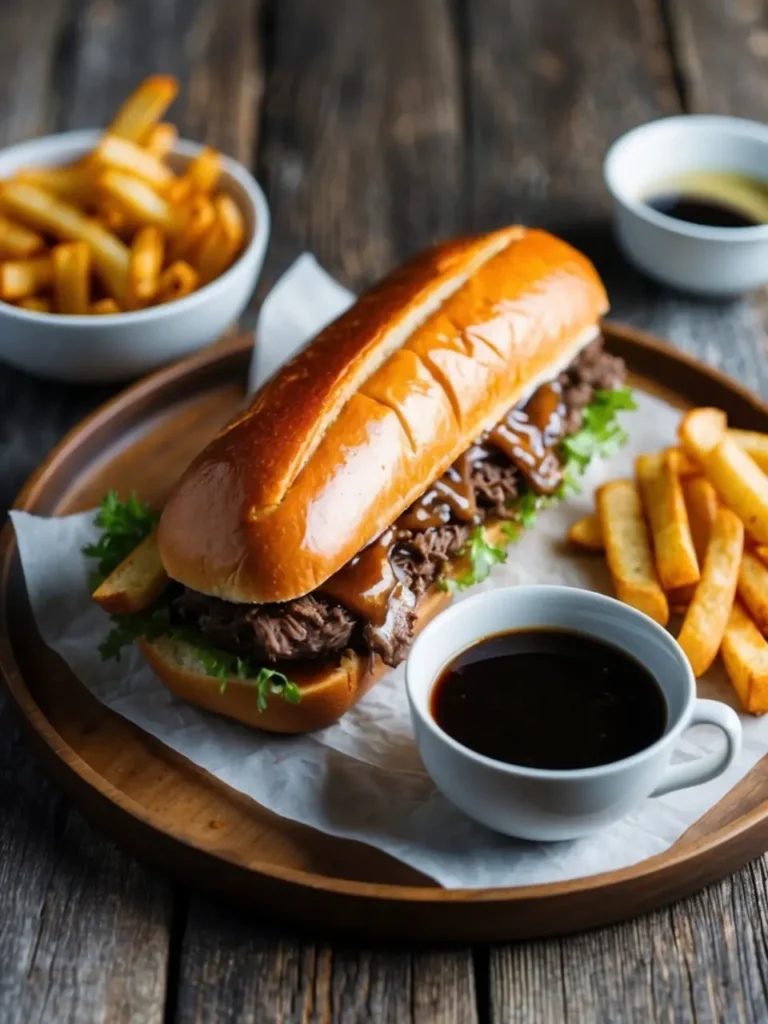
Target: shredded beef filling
[315, 626]
[304, 628]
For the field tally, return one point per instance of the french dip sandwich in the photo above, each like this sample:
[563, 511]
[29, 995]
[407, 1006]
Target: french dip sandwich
[387, 464]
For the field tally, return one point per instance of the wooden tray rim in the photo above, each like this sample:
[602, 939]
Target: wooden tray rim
[659, 864]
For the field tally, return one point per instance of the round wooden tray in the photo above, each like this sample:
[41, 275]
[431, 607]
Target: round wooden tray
[168, 811]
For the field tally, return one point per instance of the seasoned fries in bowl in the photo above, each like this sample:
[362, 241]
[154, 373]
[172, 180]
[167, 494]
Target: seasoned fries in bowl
[106, 200]
[162, 277]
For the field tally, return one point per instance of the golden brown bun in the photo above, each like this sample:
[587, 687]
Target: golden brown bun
[326, 692]
[349, 433]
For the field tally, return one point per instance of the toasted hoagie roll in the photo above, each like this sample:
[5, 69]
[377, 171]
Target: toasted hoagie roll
[374, 473]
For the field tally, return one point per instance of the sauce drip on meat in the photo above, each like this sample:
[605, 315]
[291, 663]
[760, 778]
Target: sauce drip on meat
[528, 437]
[450, 497]
[366, 584]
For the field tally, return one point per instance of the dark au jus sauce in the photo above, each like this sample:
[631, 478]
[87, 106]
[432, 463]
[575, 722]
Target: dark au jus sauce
[549, 698]
[710, 212]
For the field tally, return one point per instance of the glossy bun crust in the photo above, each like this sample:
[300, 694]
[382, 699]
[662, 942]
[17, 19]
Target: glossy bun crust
[353, 429]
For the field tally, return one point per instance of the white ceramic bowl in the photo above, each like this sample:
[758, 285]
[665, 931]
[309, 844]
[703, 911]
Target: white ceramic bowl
[539, 804]
[91, 349]
[713, 261]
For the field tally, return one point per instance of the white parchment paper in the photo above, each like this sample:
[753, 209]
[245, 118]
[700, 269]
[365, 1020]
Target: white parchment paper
[362, 777]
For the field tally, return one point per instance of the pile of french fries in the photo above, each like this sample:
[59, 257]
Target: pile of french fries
[118, 230]
[689, 534]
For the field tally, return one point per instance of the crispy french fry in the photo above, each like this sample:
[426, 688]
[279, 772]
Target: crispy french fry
[745, 655]
[707, 616]
[22, 278]
[662, 496]
[586, 533]
[146, 264]
[136, 582]
[202, 175]
[73, 182]
[113, 217]
[144, 107]
[124, 155]
[753, 588]
[738, 480]
[36, 304]
[754, 444]
[176, 282]
[628, 550]
[200, 217]
[140, 200]
[160, 139]
[104, 307]
[71, 277]
[761, 550]
[230, 218]
[700, 430]
[701, 505]
[686, 467]
[216, 252]
[18, 242]
[41, 210]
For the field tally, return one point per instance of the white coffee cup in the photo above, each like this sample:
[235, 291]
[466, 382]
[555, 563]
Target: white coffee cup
[540, 804]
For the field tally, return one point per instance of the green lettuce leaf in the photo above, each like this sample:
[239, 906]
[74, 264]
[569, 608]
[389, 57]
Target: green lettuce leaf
[124, 525]
[482, 557]
[600, 436]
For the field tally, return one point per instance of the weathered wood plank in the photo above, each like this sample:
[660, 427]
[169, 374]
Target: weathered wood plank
[211, 47]
[362, 137]
[547, 90]
[701, 960]
[721, 47]
[233, 970]
[83, 928]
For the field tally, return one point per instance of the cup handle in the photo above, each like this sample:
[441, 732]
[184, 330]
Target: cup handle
[702, 769]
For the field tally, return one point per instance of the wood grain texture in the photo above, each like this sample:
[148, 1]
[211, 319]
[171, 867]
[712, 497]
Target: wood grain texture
[211, 47]
[83, 927]
[721, 53]
[361, 149]
[233, 970]
[546, 93]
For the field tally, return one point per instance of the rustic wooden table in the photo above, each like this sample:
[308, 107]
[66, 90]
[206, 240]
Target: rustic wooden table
[375, 127]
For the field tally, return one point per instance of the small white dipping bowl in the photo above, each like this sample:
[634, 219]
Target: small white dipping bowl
[536, 803]
[712, 261]
[91, 349]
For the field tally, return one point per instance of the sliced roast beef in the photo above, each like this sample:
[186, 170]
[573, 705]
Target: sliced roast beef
[304, 628]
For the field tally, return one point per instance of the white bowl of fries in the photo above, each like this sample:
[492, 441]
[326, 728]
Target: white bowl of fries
[123, 249]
